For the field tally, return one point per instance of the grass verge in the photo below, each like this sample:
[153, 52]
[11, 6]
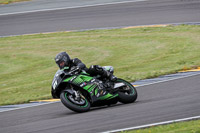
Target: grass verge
[180, 127]
[27, 62]
[11, 1]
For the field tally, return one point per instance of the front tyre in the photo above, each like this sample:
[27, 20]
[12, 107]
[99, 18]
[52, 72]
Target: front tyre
[127, 93]
[69, 100]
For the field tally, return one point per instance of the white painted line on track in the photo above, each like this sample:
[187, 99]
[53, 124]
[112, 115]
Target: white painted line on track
[105, 28]
[29, 106]
[153, 124]
[176, 78]
[73, 7]
[136, 87]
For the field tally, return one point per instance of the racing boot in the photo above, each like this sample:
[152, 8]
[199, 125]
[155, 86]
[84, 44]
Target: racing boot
[96, 69]
[112, 77]
[110, 83]
[109, 76]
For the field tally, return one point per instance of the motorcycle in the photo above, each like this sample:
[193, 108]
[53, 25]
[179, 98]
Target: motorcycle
[79, 91]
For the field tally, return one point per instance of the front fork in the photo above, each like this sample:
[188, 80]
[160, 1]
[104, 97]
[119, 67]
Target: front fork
[75, 93]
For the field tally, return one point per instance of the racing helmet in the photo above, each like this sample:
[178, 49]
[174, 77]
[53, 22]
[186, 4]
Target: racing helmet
[62, 60]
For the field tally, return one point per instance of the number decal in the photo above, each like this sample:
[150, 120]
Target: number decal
[55, 84]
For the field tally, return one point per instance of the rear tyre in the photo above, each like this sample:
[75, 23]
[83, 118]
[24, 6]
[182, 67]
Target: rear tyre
[81, 105]
[128, 93]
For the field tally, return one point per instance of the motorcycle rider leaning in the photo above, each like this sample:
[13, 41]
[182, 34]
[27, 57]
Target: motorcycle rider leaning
[64, 62]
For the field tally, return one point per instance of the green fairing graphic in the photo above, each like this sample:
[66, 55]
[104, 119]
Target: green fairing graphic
[88, 86]
[68, 79]
[108, 96]
[77, 81]
[81, 91]
[112, 97]
[92, 87]
[96, 91]
[83, 78]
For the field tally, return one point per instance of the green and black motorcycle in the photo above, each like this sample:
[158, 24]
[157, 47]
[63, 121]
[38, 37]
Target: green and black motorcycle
[79, 91]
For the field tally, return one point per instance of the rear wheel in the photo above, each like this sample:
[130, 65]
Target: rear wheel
[127, 93]
[77, 103]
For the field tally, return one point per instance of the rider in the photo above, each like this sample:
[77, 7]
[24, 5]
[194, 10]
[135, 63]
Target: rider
[64, 62]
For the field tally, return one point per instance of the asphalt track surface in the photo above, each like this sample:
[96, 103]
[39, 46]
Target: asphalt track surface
[112, 15]
[35, 5]
[158, 102]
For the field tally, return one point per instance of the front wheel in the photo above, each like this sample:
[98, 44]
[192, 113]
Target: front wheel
[80, 104]
[127, 93]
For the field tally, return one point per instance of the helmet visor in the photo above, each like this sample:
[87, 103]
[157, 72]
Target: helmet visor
[62, 64]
